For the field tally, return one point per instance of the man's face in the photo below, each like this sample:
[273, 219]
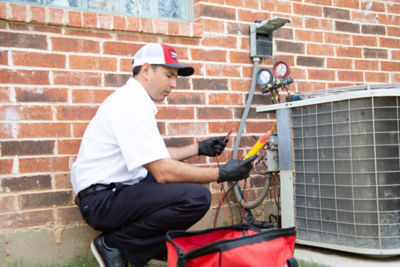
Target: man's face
[161, 82]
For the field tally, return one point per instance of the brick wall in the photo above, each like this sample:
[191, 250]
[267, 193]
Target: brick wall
[58, 65]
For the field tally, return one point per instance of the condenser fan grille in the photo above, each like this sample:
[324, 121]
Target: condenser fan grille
[347, 172]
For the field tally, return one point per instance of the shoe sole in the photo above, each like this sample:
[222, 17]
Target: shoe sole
[96, 254]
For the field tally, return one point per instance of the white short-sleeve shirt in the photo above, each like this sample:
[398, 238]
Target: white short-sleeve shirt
[119, 140]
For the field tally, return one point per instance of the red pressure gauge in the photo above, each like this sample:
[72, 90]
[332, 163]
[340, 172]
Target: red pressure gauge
[281, 70]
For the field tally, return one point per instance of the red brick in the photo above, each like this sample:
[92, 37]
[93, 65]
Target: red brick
[339, 63]
[68, 215]
[61, 44]
[363, 17]
[210, 55]
[209, 84]
[212, 113]
[308, 10]
[318, 23]
[187, 128]
[4, 57]
[75, 112]
[6, 130]
[291, 47]
[62, 181]
[393, 8]
[38, 14]
[25, 113]
[225, 99]
[276, 6]
[310, 36]
[41, 130]
[389, 42]
[240, 57]
[355, 76]
[78, 129]
[41, 94]
[393, 31]
[395, 77]
[213, 25]
[27, 219]
[74, 18]
[25, 183]
[249, 15]
[24, 76]
[395, 56]
[119, 23]
[218, 12]
[31, 165]
[320, 50]
[105, 21]
[133, 23]
[56, 16]
[376, 77]
[5, 94]
[8, 204]
[373, 6]
[375, 53]
[222, 127]
[390, 66]
[354, 52]
[46, 199]
[89, 96]
[178, 113]
[3, 10]
[117, 48]
[77, 78]
[69, 146]
[90, 20]
[338, 38]
[364, 40]
[222, 70]
[389, 19]
[18, 12]
[346, 3]
[239, 85]
[6, 166]
[93, 63]
[366, 65]
[187, 98]
[38, 59]
[321, 75]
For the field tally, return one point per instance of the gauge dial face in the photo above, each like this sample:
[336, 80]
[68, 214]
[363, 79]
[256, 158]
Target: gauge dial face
[264, 77]
[281, 69]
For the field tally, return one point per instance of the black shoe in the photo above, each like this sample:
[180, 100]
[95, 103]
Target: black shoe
[106, 256]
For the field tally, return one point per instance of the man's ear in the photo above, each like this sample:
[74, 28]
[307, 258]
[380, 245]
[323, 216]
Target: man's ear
[146, 67]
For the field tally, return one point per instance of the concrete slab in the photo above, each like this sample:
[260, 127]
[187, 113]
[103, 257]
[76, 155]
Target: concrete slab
[334, 258]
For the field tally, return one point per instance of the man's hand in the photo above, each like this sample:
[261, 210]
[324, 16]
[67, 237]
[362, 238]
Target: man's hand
[235, 170]
[212, 146]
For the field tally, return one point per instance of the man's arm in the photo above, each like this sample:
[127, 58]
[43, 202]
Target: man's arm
[182, 153]
[169, 170]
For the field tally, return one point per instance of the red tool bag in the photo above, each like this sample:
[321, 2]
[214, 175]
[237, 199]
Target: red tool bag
[238, 245]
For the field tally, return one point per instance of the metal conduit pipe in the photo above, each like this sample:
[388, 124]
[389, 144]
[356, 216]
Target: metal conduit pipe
[238, 193]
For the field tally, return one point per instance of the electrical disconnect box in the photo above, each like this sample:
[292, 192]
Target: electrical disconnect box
[261, 36]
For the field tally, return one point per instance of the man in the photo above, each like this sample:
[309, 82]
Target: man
[129, 185]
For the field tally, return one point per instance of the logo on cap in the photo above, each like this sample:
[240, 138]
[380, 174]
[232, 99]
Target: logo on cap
[173, 54]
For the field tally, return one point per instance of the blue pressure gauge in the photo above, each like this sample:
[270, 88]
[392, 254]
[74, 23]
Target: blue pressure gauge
[264, 77]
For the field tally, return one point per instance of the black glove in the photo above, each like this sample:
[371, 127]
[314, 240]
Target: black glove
[235, 170]
[212, 146]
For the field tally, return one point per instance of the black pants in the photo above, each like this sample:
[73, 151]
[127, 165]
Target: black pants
[135, 218]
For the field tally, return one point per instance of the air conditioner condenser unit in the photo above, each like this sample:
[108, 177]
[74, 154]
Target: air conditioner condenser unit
[339, 160]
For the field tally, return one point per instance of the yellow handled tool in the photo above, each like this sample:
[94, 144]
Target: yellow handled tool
[260, 144]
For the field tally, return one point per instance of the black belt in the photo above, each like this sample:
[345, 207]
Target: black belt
[92, 189]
